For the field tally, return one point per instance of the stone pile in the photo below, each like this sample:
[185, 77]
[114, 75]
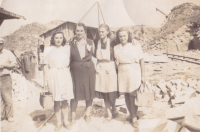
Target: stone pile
[22, 88]
[176, 41]
[175, 91]
[181, 15]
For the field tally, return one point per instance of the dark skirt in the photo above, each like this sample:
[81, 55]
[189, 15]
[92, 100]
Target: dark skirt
[83, 77]
[107, 96]
[134, 93]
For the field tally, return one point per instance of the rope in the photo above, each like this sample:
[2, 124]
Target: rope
[98, 14]
[99, 8]
[101, 13]
[87, 13]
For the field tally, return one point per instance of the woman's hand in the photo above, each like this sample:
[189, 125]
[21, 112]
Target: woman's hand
[46, 86]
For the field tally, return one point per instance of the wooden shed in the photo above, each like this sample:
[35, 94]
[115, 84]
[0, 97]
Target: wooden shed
[67, 28]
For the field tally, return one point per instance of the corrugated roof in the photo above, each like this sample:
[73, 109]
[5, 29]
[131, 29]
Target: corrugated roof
[9, 15]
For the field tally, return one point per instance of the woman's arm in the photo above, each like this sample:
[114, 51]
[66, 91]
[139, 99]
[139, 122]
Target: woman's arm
[143, 79]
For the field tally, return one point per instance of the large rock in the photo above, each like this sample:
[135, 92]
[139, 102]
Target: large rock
[170, 126]
[192, 122]
[162, 86]
[183, 129]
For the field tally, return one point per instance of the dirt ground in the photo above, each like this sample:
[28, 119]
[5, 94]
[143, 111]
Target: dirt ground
[25, 111]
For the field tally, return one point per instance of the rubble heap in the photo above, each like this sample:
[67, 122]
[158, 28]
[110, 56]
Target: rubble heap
[175, 91]
[177, 41]
[22, 88]
[25, 38]
[181, 15]
[177, 30]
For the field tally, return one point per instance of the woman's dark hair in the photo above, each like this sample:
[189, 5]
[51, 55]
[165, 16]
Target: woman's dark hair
[80, 25]
[121, 30]
[52, 38]
[107, 28]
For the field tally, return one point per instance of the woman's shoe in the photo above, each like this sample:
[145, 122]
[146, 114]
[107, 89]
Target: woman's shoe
[106, 120]
[73, 122]
[57, 128]
[67, 126]
[129, 119]
[135, 124]
[115, 114]
[10, 119]
[87, 119]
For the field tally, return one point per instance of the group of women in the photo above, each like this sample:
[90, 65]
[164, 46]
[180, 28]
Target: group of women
[70, 74]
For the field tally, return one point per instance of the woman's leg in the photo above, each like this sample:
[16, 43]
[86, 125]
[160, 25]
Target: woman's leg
[65, 111]
[88, 107]
[128, 103]
[88, 110]
[57, 112]
[112, 103]
[107, 105]
[134, 109]
[73, 105]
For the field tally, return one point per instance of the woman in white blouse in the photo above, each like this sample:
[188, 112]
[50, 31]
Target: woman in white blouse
[131, 72]
[57, 77]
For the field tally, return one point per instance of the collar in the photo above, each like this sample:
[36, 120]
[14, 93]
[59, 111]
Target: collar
[82, 40]
[125, 45]
[104, 41]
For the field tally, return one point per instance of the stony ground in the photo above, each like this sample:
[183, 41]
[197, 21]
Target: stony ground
[26, 110]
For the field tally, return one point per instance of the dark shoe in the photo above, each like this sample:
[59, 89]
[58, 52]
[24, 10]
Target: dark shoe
[135, 124]
[57, 128]
[115, 114]
[87, 119]
[10, 119]
[67, 126]
[129, 120]
[107, 120]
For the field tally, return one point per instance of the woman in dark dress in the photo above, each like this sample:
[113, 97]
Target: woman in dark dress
[82, 70]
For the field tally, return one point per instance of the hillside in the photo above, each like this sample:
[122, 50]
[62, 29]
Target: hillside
[178, 30]
[26, 38]
[181, 15]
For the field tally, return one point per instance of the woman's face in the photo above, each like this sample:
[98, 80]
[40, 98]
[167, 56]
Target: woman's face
[102, 32]
[123, 37]
[80, 32]
[58, 39]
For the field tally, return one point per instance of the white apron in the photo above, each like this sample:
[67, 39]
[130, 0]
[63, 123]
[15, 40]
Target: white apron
[106, 77]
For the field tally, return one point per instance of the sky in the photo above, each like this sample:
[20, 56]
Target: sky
[116, 13]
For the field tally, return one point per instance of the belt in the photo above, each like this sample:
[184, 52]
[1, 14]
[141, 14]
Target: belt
[103, 61]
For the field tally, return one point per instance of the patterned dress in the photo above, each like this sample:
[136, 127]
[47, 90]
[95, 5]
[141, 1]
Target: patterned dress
[129, 70]
[59, 76]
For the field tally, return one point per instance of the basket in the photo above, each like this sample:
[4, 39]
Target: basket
[46, 100]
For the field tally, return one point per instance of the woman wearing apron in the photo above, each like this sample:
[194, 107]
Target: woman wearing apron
[131, 72]
[106, 77]
[82, 70]
[58, 77]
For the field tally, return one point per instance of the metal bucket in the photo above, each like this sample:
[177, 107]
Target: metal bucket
[46, 100]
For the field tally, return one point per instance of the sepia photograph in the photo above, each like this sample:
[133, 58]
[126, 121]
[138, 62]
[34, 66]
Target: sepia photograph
[100, 65]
